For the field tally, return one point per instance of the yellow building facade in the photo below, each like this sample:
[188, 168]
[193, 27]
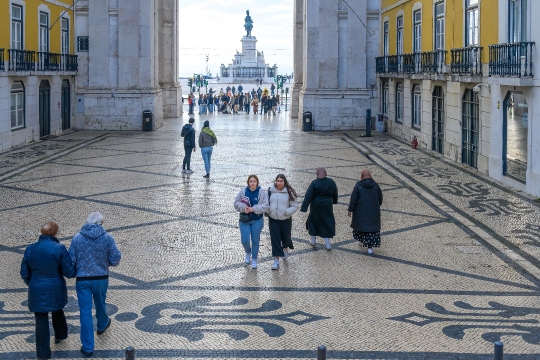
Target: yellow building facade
[37, 69]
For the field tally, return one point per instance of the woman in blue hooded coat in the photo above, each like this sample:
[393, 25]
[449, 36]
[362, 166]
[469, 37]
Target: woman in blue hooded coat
[44, 265]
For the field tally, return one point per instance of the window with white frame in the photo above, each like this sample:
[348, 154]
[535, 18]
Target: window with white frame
[417, 31]
[16, 27]
[439, 26]
[65, 36]
[472, 23]
[517, 21]
[385, 38]
[416, 107]
[43, 32]
[385, 95]
[399, 102]
[399, 29]
[17, 105]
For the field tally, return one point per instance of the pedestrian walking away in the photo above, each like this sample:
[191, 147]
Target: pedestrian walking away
[43, 267]
[188, 133]
[207, 140]
[92, 252]
[320, 197]
[365, 210]
[251, 202]
[255, 104]
[282, 204]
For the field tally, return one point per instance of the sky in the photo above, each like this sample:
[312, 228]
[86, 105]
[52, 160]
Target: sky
[215, 27]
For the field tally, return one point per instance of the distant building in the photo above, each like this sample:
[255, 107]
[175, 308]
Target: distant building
[37, 68]
[458, 75]
[248, 66]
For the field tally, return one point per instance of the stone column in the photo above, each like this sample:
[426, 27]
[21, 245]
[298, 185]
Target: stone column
[298, 50]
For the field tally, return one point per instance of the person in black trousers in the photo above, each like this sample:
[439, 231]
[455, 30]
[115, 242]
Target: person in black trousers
[188, 133]
[43, 267]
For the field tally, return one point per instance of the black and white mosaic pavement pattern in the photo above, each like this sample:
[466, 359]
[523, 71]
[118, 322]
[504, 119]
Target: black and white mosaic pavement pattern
[433, 290]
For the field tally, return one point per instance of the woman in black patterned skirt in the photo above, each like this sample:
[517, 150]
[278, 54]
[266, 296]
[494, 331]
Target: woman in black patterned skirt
[365, 210]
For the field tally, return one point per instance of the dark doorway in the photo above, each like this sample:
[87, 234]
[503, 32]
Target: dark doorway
[437, 114]
[515, 136]
[66, 105]
[470, 128]
[44, 108]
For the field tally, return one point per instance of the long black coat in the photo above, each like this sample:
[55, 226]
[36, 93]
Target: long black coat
[320, 197]
[365, 204]
[43, 268]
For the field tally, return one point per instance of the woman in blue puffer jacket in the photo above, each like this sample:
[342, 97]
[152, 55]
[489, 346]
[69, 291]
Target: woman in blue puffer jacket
[43, 268]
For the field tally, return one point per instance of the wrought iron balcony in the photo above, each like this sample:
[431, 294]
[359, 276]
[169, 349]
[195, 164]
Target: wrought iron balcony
[514, 60]
[434, 62]
[21, 60]
[380, 65]
[69, 63]
[466, 61]
[2, 67]
[48, 61]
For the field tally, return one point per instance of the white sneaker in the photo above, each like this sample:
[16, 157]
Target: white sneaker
[369, 251]
[253, 264]
[189, 171]
[328, 246]
[285, 254]
[275, 265]
[183, 171]
[313, 242]
[248, 258]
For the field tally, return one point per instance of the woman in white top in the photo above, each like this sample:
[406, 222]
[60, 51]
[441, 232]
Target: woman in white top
[282, 205]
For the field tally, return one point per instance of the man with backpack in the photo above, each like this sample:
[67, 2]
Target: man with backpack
[188, 133]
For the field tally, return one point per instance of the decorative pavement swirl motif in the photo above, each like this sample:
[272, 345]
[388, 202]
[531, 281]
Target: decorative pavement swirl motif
[192, 315]
[502, 319]
[530, 232]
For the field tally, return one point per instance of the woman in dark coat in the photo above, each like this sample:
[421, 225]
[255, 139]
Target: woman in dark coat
[43, 268]
[365, 209]
[321, 195]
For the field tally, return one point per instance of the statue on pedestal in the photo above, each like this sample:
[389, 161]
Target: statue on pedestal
[249, 24]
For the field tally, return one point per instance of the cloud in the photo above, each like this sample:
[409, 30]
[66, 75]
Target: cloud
[215, 27]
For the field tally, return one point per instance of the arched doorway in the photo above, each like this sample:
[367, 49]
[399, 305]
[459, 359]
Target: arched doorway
[44, 108]
[66, 105]
[515, 136]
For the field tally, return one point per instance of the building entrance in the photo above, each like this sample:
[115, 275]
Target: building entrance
[44, 108]
[516, 124]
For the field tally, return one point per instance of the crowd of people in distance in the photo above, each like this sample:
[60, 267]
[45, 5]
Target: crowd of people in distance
[234, 101]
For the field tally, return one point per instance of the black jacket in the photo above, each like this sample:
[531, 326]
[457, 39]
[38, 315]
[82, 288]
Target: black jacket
[189, 138]
[365, 204]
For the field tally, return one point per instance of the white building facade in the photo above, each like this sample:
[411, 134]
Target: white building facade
[128, 63]
[335, 45]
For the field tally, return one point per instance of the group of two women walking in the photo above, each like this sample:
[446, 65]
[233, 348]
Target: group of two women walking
[280, 202]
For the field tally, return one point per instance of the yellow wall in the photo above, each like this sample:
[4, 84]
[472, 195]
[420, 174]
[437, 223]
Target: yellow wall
[454, 25]
[31, 25]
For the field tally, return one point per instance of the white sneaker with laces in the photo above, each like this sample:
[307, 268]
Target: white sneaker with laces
[253, 264]
[248, 258]
[369, 251]
[328, 246]
[285, 254]
[189, 171]
[183, 171]
[275, 265]
[313, 241]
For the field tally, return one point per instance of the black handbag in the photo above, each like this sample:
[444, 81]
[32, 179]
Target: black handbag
[245, 218]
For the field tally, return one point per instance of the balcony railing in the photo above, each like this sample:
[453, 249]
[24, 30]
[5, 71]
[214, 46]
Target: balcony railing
[466, 61]
[403, 64]
[434, 62]
[21, 60]
[48, 61]
[69, 63]
[513, 59]
[2, 67]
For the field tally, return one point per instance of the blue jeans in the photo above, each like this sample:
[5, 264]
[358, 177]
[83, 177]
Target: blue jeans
[86, 290]
[210, 108]
[206, 153]
[251, 229]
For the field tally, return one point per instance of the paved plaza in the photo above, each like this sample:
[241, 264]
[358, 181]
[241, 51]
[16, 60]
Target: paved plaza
[458, 266]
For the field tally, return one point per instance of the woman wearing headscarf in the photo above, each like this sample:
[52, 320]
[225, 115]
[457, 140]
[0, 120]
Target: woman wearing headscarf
[251, 202]
[365, 210]
[43, 267]
[207, 140]
[282, 201]
[320, 197]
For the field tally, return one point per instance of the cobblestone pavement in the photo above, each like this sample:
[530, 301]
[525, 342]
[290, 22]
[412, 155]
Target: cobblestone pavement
[457, 270]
